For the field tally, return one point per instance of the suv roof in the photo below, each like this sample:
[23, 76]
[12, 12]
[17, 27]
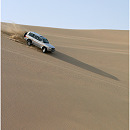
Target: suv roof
[37, 34]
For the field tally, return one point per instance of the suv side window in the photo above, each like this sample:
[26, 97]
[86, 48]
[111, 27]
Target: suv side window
[40, 39]
[36, 37]
[31, 34]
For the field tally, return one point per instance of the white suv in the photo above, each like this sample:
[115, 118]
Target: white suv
[39, 41]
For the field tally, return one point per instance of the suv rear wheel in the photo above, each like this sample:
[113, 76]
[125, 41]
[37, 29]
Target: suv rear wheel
[44, 49]
[29, 42]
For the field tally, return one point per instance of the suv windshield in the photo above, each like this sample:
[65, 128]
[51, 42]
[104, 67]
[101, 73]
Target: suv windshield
[45, 41]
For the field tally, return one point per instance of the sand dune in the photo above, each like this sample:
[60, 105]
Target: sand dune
[82, 86]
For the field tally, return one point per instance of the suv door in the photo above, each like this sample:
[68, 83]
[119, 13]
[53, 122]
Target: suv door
[40, 42]
[36, 40]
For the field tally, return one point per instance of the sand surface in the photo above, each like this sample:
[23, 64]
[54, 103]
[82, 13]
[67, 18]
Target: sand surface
[81, 86]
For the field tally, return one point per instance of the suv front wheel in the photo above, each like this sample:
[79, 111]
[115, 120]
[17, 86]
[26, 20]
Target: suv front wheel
[44, 49]
[29, 42]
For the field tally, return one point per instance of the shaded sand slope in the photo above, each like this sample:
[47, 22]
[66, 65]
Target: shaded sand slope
[82, 86]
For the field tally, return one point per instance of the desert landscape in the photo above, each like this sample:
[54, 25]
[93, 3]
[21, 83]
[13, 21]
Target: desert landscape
[83, 85]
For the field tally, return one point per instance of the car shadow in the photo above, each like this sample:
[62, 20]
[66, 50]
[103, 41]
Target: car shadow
[73, 61]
